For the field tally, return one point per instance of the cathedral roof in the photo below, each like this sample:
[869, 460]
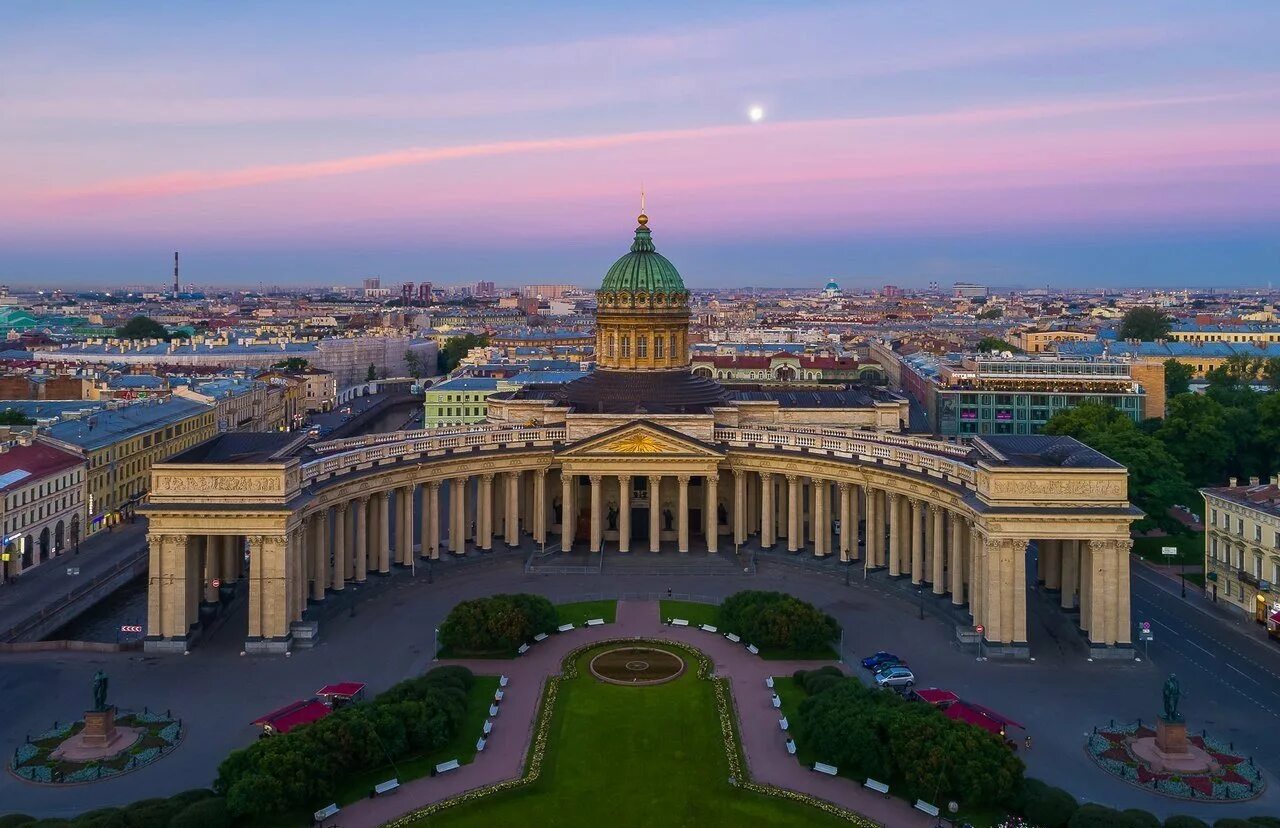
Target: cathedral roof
[643, 270]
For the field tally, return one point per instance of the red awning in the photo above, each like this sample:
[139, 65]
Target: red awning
[1274, 618]
[293, 715]
[344, 689]
[979, 716]
[933, 695]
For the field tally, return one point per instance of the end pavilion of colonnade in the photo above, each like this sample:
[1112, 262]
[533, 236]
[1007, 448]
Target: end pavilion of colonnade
[641, 456]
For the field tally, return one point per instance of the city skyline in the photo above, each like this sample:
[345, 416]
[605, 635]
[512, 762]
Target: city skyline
[1107, 146]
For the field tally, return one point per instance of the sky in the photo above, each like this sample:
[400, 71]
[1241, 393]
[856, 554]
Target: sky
[1089, 144]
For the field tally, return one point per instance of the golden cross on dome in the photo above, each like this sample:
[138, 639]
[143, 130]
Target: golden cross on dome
[643, 219]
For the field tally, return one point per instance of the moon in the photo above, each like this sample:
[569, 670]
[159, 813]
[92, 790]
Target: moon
[756, 114]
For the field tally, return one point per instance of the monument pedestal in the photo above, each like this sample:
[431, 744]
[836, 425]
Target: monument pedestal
[1171, 737]
[1170, 752]
[99, 728]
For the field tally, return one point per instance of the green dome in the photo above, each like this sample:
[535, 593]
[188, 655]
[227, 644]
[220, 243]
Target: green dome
[643, 270]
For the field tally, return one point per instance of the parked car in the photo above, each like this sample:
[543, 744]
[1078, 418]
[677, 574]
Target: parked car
[873, 662]
[890, 665]
[895, 677]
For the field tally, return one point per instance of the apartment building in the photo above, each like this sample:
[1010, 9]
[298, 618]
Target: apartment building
[1242, 547]
[42, 504]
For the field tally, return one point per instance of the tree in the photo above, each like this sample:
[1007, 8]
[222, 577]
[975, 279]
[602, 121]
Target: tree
[456, 347]
[142, 327]
[292, 364]
[1270, 372]
[371, 374]
[995, 343]
[990, 313]
[496, 623]
[414, 364]
[1145, 323]
[1177, 378]
[13, 417]
[1195, 432]
[778, 621]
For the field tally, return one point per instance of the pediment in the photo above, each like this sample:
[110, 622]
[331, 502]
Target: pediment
[641, 439]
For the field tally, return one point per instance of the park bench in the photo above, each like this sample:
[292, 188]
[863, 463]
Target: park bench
[782, 723]
[791, 746]
[564, 628]
[777, 701]
[445, 767]
[823, 767]
[540, 637]
[480, 743]
[876, 786]
[524, 648]
[679, 622]
[488, 727]
[326, 812]
[493, 710]
[753, 649]
[390, 786]
[502, 681]
[768, 682]
[708, 628]
[921, 805]
[595, 622]
[735, 639]
[499, 695]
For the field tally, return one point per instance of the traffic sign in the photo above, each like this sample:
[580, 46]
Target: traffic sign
[978, 629]
[217, 582]
[1169, 551]
[73, 570]
[131, 628]
[1146, 626]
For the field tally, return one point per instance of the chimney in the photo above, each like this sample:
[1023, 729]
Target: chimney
[1231, 483]
[1275, 480]
[1253, 481]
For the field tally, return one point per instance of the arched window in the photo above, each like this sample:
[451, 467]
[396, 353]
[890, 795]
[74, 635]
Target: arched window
[642, 346]
[659, 343]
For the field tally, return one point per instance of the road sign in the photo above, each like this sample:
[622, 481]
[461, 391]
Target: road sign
[131, 628]
[217, 582]
[1146, 626]
[978, 629]
[73, 570]
[1169, 551]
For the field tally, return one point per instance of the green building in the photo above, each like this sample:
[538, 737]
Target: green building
[458, 402]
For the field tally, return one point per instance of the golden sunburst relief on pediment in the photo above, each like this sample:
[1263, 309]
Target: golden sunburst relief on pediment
[637, 444]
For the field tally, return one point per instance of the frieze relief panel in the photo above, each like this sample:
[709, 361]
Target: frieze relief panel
[222, 485]
[1073, 488]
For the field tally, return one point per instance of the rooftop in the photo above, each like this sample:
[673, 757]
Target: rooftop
[21, 465]
[108, 426]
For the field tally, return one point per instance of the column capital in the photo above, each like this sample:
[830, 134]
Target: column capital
[766, 476]
[363, 499]
[891, 497]
[595, 479]
[654, 477]
[487, 477]
[433, 485]
[738, 474]
[792, 478]
[684, 478]
[843, 488]
[625, 477]
[512, 474]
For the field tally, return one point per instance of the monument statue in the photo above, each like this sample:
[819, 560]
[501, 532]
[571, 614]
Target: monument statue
[667, 517]
[99, 691]
[613, 517]
[1172, 692]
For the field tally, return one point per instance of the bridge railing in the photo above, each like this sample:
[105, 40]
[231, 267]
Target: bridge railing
[426, 442]
[890, 449]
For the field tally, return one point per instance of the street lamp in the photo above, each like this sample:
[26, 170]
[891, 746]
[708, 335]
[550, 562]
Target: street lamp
[920, 595]
[435, 645]
[1183, 576]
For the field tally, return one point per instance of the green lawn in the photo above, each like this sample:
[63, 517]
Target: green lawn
[694, 613]
[579, 612]
[1190, 549]
[462, 747]
[633, 756]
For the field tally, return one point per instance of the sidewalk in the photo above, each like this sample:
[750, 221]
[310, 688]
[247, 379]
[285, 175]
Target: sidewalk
[762, 741]
[48, 583]
[1167, 580]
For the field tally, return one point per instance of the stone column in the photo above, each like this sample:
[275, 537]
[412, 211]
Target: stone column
[1070, 579]
[655, 513]
[484, 512]
[711, 511]
[843, 540]
[1049, 568]
[174, 586]
[432, 538]
[624, 513]
[977, 586]
[820, 495]
[319, 554]
[566, 511]
[339, 547]
[424, 521]
[227, 549]
[268, 578]
[597, 518]
[1119, 607]
[854, 518]
[212, 566]
[360, 529]
[895, 534]
[297, 572]
[382, 525]
[955, 563]
[540, 506]
[682, 514]
[753, 504]
[767, 538]
[511, 515]
[1102, 587]
[873, 537]
[458, 515]
[938, 536]
[739, 507]
[795, 533]
[917, 541]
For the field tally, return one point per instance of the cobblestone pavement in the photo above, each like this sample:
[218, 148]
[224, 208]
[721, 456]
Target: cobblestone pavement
[384, 631]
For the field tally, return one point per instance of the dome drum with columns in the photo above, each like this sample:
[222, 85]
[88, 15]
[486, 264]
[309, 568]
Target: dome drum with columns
[642, 458]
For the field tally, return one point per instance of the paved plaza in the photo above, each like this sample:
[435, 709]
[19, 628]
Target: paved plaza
[384, 631]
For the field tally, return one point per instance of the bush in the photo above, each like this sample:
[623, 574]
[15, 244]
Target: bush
[300, 768]
[1183, 821]
[14, 820]
[911, 746]
[151, 813]
[1097, 816]
[817, 683]
[1044, 805]
[496, 623]
[778, 621]
[203, 813]
[1139, 818]
[1270, 822]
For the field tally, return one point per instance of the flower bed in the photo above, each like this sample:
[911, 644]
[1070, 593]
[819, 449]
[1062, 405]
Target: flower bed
[33, 761]
[1236, 780]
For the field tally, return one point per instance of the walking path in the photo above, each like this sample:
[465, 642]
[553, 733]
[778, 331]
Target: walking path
[763, 743]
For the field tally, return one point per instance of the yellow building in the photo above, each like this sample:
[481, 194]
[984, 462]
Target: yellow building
[1040, 340]
[121, 444]
[1242, 546]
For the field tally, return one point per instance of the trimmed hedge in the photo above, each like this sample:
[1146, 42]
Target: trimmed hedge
[1183, 821]
[298, 769]
[777, 620]
[1046, 806]
[206, 813]
[496, 623]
